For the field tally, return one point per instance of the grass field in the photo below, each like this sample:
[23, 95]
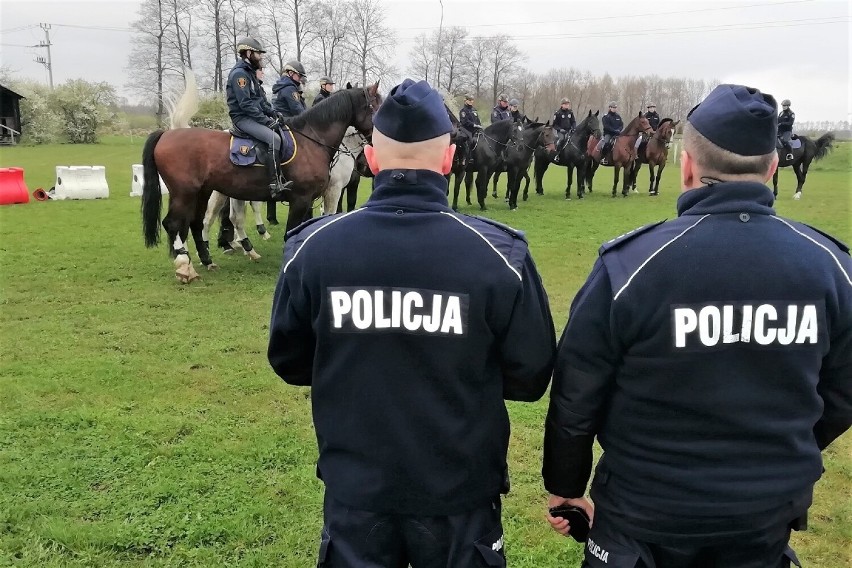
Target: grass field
[140, 424]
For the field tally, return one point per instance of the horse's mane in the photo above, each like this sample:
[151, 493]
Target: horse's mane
[500, 127]
[336, 108]
[665, 120]
[586, 121]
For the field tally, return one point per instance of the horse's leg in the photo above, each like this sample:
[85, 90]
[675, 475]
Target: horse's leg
[801, 174]
[526, 175]
[660, 169]
[482, 177]
[214, 206]
[591, 168]
[513, 184]
[540, 166]
[581, 179]
[570, 180]
[651, 178]
[457, 180]
[615, 172]
[272, 212]
[494, 188]
[625, 184]
[775, 182]
[468, 183]
[238, 218]
[176, 225]
[196, 226]
[300, 211]
[258, 220]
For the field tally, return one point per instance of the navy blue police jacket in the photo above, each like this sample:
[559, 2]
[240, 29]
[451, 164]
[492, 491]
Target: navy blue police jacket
[653, 119]
[498, 114]
[785, 120]
[469, 118]
[564, 120]
[288, 98]
[245, 95]
[711, 355]
[411, 324]
[321, 96]
[612, 123]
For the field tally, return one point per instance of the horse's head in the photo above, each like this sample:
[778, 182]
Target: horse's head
[548, 137]
[666, 129]
[591, 125]
[366, 102]
[643, 124]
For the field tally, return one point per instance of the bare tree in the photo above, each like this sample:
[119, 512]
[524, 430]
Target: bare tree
[150, 59]
[503, 57]
[479, 50]
[453, 54]
[422, 57]
[371, 41]
[332, 26]
[212, 13]
[273, 34]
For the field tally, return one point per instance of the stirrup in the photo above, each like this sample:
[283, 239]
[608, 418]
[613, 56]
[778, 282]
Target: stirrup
[789, 155]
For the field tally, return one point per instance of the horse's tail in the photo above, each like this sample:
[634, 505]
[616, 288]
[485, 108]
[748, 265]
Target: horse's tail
[823, 145]
[152, 199]
[184, 108]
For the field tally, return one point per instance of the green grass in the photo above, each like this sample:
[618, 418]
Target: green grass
[140, 424]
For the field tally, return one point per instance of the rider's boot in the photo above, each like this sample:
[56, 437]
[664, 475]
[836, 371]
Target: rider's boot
[277, 189]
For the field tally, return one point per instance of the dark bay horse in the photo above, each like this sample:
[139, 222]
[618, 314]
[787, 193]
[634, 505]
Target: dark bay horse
[194, 162]
[622, 155]
[571, 155]
[809, 151]
[655, 153]
[519, 153]
[484, 159]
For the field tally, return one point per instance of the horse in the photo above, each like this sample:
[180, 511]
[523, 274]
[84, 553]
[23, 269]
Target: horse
[341, 170]
[518, 155]
[571, 155]
[502, 167]
[237, 213]
[194, 162]
[622, 155]
[488, 145]
[807, 152]
[655, 153]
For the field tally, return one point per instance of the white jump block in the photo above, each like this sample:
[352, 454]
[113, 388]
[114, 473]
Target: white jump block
[138, 182]
[80, 182]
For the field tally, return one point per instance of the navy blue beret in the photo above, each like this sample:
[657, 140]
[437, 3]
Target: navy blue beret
[739, 119]
[413, 112]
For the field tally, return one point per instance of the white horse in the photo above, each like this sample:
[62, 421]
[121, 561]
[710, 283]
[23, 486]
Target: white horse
[341, 170]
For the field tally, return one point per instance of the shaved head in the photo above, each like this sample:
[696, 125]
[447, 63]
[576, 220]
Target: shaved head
[435, 154]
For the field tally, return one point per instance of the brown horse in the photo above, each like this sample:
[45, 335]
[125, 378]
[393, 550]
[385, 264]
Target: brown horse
[622, 155]
[194, 162]
[655, 153]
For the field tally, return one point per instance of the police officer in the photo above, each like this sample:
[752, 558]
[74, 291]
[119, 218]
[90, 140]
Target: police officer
[326, 88]
[410, 353]
[785, 127]
[501, 109]
[249, 110]
[289, 101]
[652, 116]
[612, 126]
[515, 114]
[563, 121]
[468, 117]
[712, 394]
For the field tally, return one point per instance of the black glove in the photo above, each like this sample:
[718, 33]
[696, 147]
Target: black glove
[280, 117]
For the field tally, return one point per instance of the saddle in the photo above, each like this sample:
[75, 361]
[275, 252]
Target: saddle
[795, 143]
[246, 151]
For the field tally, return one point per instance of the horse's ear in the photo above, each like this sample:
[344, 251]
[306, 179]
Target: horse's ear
[547, 123]
[640, 113]
[348, 84]
[590, 113]
[675, 123]
[373, 89]
[597, 112]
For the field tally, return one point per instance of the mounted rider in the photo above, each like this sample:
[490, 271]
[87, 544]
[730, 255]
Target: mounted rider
[326, 89]
[563, 122]
[612, 126]
[653, 119]
[249, 110]
[289, 99]
[501, 109]
[469, 122]
[515, 114]
[785, 127]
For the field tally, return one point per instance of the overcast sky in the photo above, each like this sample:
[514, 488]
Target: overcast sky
[796, 49]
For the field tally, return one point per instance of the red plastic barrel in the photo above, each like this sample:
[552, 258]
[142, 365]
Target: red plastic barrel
[12, 186]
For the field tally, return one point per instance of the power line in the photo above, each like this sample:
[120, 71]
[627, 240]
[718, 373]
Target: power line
[670, 30]
[102, 28]
[18, 29]
[622, 17]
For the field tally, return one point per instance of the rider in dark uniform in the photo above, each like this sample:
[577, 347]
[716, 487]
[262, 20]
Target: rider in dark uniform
[501, 109]
[563, 121]
[288, 102]
[326, 89]
[612, 127]
[469, 122]
[652, 116]
[249, 110]
[785, 127]
[515, 114]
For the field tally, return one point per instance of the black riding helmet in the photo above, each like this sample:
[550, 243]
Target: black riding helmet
[296, 67]
[249, 44]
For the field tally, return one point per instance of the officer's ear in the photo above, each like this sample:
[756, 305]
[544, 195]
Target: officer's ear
[772, 167]
[447, 164]
[370, 154]
[688, 175]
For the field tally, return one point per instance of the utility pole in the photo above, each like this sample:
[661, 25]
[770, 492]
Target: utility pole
[48, 63]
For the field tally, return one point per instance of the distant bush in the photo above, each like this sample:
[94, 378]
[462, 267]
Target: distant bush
[40, 123]
[212, 113]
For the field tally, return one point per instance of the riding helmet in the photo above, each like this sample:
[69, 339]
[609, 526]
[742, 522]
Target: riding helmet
[249, 44]
[296, 67]
[565, 100]
[514, 102]
[785, 103]
[503, 98]
[325, 81]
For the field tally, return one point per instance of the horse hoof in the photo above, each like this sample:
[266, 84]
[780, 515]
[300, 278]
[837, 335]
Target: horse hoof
[266, 236]
[483, 208]
[539, 193]
[494, 195]
[252, 254]
[580, 196]
[212, 266]
[797, 195]
[273, 221]
[526, 197]
[567, 198]
[469, 202]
